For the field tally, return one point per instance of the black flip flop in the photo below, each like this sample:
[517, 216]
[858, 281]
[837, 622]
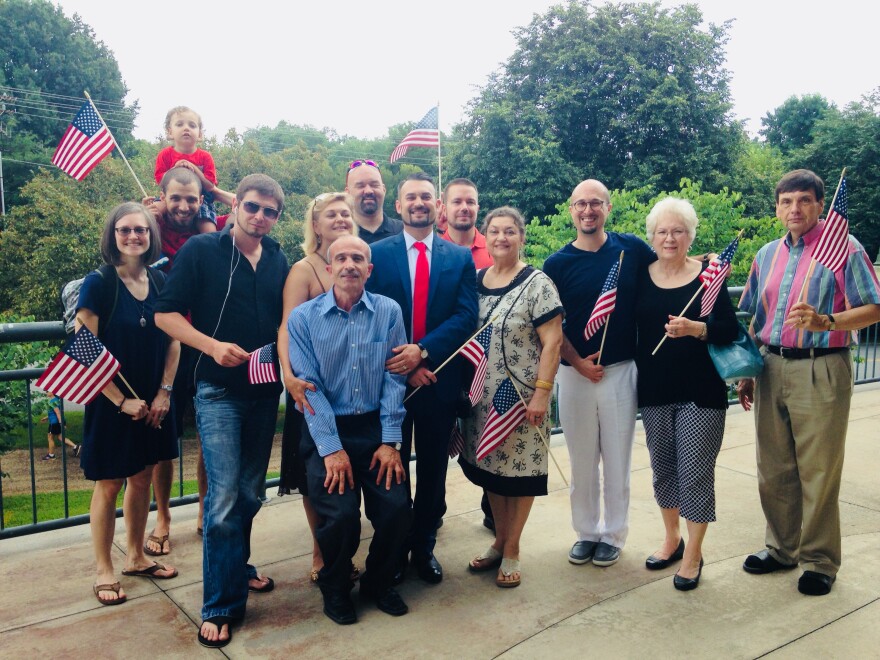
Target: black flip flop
[218, 621]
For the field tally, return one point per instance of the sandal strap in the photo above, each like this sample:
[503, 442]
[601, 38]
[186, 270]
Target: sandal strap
[509, 567]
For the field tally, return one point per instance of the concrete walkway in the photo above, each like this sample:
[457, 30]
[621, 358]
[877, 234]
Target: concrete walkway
[560, 611]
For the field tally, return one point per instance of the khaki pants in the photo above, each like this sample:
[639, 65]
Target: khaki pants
[801, 417]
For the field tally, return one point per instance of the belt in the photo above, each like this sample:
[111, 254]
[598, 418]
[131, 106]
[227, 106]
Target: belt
[803, 353]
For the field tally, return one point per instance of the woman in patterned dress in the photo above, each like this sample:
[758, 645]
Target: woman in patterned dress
[523, 356]
[683, 400]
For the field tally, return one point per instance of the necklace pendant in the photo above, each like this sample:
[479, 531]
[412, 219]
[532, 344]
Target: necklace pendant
[143, 322]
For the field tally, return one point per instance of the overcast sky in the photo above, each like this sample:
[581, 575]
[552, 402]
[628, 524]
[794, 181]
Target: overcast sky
[360, 67]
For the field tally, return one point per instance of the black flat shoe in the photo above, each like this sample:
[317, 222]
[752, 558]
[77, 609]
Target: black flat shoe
[812, 583]
[387, 600]
[653, 563]
[762, 562]
[686, 584]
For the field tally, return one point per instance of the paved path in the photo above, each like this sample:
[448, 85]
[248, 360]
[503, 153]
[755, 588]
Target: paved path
[560, 611]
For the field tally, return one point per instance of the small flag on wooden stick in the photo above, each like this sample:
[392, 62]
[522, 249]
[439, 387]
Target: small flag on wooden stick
[261, 366]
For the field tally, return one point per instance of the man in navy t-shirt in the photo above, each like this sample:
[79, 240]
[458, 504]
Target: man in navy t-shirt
[597, 394]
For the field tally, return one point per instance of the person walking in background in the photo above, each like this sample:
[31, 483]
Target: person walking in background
[55, 430]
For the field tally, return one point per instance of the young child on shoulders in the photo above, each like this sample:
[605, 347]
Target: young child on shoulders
[183, 127]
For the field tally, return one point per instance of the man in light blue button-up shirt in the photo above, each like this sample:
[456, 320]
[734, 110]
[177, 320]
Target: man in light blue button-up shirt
[339, 343]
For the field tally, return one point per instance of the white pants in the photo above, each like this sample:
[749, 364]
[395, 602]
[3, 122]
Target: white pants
[599, 421]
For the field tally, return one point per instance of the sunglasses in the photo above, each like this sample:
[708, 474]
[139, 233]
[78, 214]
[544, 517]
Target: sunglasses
[268, 212]
[125, 231]
[358, 163]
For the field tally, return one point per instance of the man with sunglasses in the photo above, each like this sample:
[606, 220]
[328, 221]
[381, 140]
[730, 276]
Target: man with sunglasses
[363, 182]
[597, 401]
[231, 282]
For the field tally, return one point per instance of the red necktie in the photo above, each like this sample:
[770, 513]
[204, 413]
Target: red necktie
[420, 293]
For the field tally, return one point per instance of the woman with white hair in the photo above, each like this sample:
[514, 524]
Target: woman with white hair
[682, 398]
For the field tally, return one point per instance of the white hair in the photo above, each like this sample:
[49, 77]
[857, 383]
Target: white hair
[680, 208]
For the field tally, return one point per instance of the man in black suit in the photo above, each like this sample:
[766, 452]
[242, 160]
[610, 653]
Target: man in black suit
[434, 282]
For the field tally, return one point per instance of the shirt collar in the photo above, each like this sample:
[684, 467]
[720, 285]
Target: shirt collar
[428, 241]
[328, 303]
[809, 238]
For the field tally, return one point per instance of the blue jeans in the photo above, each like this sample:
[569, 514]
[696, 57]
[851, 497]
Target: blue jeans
[236, 443]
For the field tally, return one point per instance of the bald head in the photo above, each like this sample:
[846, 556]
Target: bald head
[590, 185]
[349, 243]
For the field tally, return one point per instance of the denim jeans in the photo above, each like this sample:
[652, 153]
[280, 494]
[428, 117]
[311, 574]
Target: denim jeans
[236, 441]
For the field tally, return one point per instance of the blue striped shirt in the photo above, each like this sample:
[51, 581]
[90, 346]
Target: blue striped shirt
[343, 354]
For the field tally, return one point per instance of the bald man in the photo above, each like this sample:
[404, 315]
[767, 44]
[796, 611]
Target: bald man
[597, 398]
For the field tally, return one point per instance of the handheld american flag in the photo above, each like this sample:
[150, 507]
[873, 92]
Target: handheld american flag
[833, 245]
[477, 353]
[80, 370]
[261, 366]
[605, 303]
[507, 412]
[715, 275]
[425, 134]
[456, 440]
[86, 143]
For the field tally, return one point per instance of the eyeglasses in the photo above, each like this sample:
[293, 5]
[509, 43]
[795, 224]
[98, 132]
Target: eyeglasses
[677, 234]
[268, 212]
[358, 163]
[581, 205]
[125, 231]
[320, 198]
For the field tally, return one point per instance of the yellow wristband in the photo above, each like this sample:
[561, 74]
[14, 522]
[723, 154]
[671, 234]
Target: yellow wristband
[544, 385]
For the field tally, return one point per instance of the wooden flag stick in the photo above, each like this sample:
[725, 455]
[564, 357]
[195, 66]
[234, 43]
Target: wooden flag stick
[686, 308]
[539, 430]
[454, 354]
[690, 302]
[608, 320]
[806, 283]
[138, 181]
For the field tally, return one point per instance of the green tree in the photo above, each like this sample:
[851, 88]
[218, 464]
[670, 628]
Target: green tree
[47, 61]
[756, 170]
[632, 94]
[13, 395]
[790, 126]
[851, 139]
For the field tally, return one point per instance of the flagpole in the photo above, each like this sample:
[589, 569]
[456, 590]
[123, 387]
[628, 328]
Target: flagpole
[806, 283]
[538, 429]
[439, 159]
[110, 133]
[608, 320]
[454, 354]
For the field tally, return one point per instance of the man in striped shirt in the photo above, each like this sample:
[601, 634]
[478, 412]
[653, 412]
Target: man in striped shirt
[802, 398]
[339, 342]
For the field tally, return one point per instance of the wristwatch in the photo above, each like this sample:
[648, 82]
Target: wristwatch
[396, 446]
[832, 324]
[167, 388]
[424, 352]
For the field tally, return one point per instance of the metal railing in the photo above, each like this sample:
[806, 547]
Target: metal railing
[865, 357]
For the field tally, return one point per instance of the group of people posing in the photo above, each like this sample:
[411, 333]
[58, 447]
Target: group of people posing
[368, 325]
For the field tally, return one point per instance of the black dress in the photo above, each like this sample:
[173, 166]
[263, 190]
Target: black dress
[114, 445]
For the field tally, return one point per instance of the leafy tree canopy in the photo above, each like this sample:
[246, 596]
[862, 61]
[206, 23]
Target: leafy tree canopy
[632, 94]
[791, 125]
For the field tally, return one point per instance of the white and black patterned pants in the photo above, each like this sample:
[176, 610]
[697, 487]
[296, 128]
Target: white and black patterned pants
[684, 441]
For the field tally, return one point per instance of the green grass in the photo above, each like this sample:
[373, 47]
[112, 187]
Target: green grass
[17, 509]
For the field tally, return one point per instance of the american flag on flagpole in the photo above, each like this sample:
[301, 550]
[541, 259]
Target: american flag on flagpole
[605, 303]
[425, 134]
[80, 370]
[507, 412]
[86, 143]
[476, 351]
[261, 366]
[715, 276]
[833, 246]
